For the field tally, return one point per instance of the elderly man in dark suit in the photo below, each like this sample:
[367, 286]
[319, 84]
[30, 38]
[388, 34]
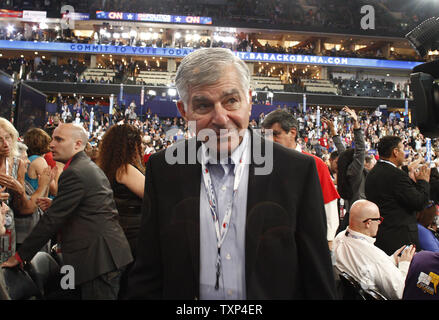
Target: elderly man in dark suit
[84, 216]
[397, 195]
[219, 221]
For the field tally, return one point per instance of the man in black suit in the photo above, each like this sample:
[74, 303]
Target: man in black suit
[398, 195]
[271, 243]
[84, 216]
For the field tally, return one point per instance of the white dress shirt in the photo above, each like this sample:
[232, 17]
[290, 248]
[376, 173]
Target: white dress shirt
[357, 255]
[232, 285]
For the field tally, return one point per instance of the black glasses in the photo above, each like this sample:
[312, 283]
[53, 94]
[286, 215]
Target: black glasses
[380, 219]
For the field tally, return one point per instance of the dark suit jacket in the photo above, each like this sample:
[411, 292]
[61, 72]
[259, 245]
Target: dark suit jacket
[84, 215]
[287, 255]
[398, 199]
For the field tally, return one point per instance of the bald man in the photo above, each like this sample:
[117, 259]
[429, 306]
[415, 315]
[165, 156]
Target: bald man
[84, 217]
[356, 254]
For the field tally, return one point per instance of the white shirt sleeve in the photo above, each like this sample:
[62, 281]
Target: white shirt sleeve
[331, 219]
[390, 279]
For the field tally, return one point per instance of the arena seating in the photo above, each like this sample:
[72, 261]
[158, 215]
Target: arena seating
[319, 86]
[272, 83]
[370, 88]
[99, 74]
[155, 78]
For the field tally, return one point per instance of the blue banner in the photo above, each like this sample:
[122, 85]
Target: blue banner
[179, 53]
[329, 61]
[150, 17]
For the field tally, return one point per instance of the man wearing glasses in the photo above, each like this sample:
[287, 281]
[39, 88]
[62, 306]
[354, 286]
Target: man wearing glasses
[356, 254]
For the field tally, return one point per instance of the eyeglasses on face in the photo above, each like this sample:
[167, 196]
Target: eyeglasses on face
[380, 219]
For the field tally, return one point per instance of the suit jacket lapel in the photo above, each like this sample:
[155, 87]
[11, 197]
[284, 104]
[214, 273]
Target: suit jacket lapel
[256, 193]
[192, 178]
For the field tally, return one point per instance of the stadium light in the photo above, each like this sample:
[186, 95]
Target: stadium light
[196, 37]
[133, 33]
[10, 28]
[145, 36]
[177, 35]
[43, 25]
[172, 92]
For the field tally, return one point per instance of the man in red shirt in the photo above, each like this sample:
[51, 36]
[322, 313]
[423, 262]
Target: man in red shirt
[324, 141]
[147, 148]
[285, 131]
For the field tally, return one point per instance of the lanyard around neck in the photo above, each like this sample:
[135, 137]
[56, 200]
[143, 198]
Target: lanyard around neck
[221, 230]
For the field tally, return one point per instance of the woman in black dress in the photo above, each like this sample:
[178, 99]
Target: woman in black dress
[120, 157]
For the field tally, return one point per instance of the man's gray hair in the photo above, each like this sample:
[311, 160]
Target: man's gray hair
[205, 67]
[21, 147]
[286, 120]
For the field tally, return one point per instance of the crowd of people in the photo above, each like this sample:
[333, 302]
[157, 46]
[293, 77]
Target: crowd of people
[121, 206]
[128, 71]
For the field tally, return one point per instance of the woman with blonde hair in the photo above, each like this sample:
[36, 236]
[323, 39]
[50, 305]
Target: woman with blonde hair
[12, 171]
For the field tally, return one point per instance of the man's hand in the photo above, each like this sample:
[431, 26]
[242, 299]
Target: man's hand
[413, 166]
[44, 203]
[353, 116]
[10, 263]
[407, 255]
[423, 173]
[330, 125]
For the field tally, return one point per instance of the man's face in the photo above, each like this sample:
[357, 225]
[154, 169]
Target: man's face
[223, 107]
[5, 143]
[145, 140]
[64, 145]
[333, 165]
[374, 224]
[287, 139]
